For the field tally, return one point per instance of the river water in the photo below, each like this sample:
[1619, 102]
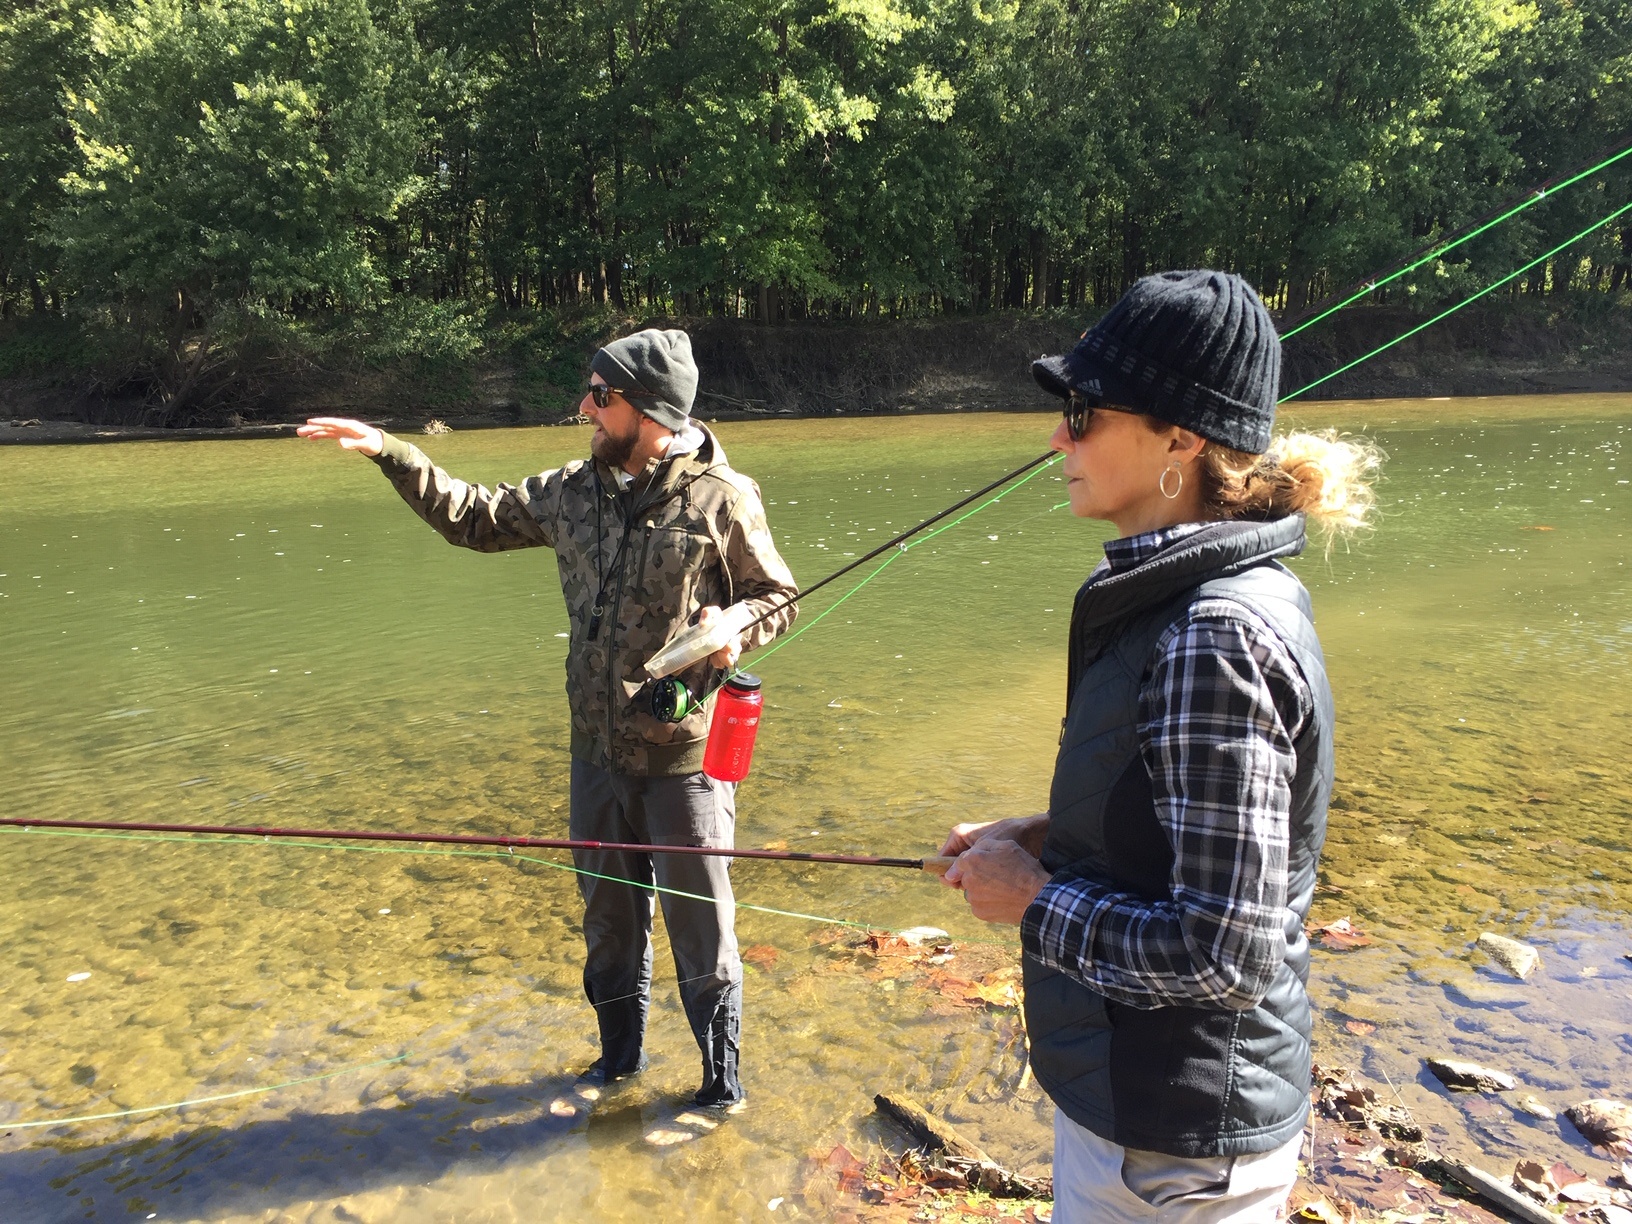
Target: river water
[258, 632]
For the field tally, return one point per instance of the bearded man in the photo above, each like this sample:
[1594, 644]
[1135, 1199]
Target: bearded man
[651, 534]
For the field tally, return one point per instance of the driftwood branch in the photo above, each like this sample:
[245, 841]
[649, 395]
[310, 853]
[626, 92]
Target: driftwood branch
[960, 1156]
[1494, 1190]
[930, 1131]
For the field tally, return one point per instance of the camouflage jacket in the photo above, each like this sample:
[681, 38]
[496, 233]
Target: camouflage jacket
[689, 532]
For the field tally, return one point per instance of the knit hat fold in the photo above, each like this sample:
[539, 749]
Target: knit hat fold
[655, 372]
[1196, 349]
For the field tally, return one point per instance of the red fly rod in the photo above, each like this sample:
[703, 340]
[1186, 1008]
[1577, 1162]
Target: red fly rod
[934, 865]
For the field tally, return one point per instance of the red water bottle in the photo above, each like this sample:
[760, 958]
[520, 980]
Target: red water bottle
[731, 734]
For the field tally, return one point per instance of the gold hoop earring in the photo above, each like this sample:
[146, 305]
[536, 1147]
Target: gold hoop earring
[1171, 469]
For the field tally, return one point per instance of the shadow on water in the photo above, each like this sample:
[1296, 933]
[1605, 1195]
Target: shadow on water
[210, 1171]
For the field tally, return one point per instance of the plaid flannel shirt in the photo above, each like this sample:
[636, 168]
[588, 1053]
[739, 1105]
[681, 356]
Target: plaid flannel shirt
[1218, 718]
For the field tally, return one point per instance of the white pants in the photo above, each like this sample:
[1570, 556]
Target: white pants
[1100, 1182]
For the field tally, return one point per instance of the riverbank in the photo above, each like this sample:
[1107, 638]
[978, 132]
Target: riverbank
[525, 371]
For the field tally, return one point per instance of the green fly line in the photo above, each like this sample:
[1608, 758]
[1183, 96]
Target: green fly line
[1490, 288]
[205, 1100]
[1534, 199]
[485, 854]
[311, 1079]
[901, 550]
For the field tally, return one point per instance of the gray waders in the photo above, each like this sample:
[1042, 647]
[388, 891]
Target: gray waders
[688, 810]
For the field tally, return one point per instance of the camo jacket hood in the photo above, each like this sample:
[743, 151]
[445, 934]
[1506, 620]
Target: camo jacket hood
[689, 532]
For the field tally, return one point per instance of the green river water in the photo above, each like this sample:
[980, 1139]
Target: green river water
[258, 632]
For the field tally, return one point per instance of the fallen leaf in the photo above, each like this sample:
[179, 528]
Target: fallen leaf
[762, 956]
[1319, 1210]
[1339, 936]
[1562, 1175]
[998, 994]
[1530, 1177]
[882, 943]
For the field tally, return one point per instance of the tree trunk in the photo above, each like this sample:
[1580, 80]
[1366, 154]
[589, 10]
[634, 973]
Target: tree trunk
[1039, 270]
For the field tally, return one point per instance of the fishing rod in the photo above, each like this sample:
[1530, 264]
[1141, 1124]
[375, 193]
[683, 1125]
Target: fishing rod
[900, 539]
[671, 701]
[934, 864]
[1432, 251]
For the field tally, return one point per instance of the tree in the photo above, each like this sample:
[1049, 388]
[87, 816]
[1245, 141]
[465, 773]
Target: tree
[234, 154]
[43, 50]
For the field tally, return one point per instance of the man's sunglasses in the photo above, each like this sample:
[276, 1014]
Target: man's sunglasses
[602, 394]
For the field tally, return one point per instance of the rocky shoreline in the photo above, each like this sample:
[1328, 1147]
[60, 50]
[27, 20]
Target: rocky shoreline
[1368, 1158]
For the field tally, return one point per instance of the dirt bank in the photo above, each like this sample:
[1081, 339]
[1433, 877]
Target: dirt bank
[976, 363]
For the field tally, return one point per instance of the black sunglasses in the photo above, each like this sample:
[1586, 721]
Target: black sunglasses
[602, 394]
[1078, 408]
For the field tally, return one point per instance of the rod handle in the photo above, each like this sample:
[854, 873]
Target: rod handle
[939, 864]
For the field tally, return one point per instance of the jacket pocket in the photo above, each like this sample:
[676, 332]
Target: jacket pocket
[673, 561]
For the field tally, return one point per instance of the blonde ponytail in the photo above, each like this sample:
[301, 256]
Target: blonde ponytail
[1323, 475]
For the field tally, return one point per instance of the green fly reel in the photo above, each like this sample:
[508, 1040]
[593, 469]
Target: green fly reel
[672, 701]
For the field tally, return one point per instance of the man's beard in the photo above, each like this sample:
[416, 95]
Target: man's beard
[613, 450]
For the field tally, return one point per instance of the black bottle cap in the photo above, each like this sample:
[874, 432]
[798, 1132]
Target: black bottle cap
[743, 682]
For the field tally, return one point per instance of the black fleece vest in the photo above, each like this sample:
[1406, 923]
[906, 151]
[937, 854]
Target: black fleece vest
[1186, 1081]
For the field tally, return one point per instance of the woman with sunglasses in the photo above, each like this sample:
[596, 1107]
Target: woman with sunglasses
[1161, 898]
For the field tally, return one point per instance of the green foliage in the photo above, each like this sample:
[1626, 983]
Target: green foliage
[443, 181]
[406, 327]
[234, 150]
[44, 344]
[42, 46]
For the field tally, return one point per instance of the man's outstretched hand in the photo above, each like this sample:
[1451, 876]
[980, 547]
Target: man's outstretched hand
[352, 435]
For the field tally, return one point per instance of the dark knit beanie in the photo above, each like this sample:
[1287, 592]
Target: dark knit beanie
[654, 371]
[1195, 349]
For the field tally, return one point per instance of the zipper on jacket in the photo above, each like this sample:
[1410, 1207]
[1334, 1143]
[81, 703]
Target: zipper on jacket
[612, 640]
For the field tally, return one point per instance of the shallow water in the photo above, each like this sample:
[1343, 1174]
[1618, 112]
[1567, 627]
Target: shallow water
[259, 633]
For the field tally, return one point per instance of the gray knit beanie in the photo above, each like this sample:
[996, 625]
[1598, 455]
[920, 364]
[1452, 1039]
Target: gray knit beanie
[1195, 349]
[654, 371]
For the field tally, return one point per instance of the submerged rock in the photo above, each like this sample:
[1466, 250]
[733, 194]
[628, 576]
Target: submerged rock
[1604, 1122]
[1531, 1105]
[1470, 1077]
[1519, 959]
